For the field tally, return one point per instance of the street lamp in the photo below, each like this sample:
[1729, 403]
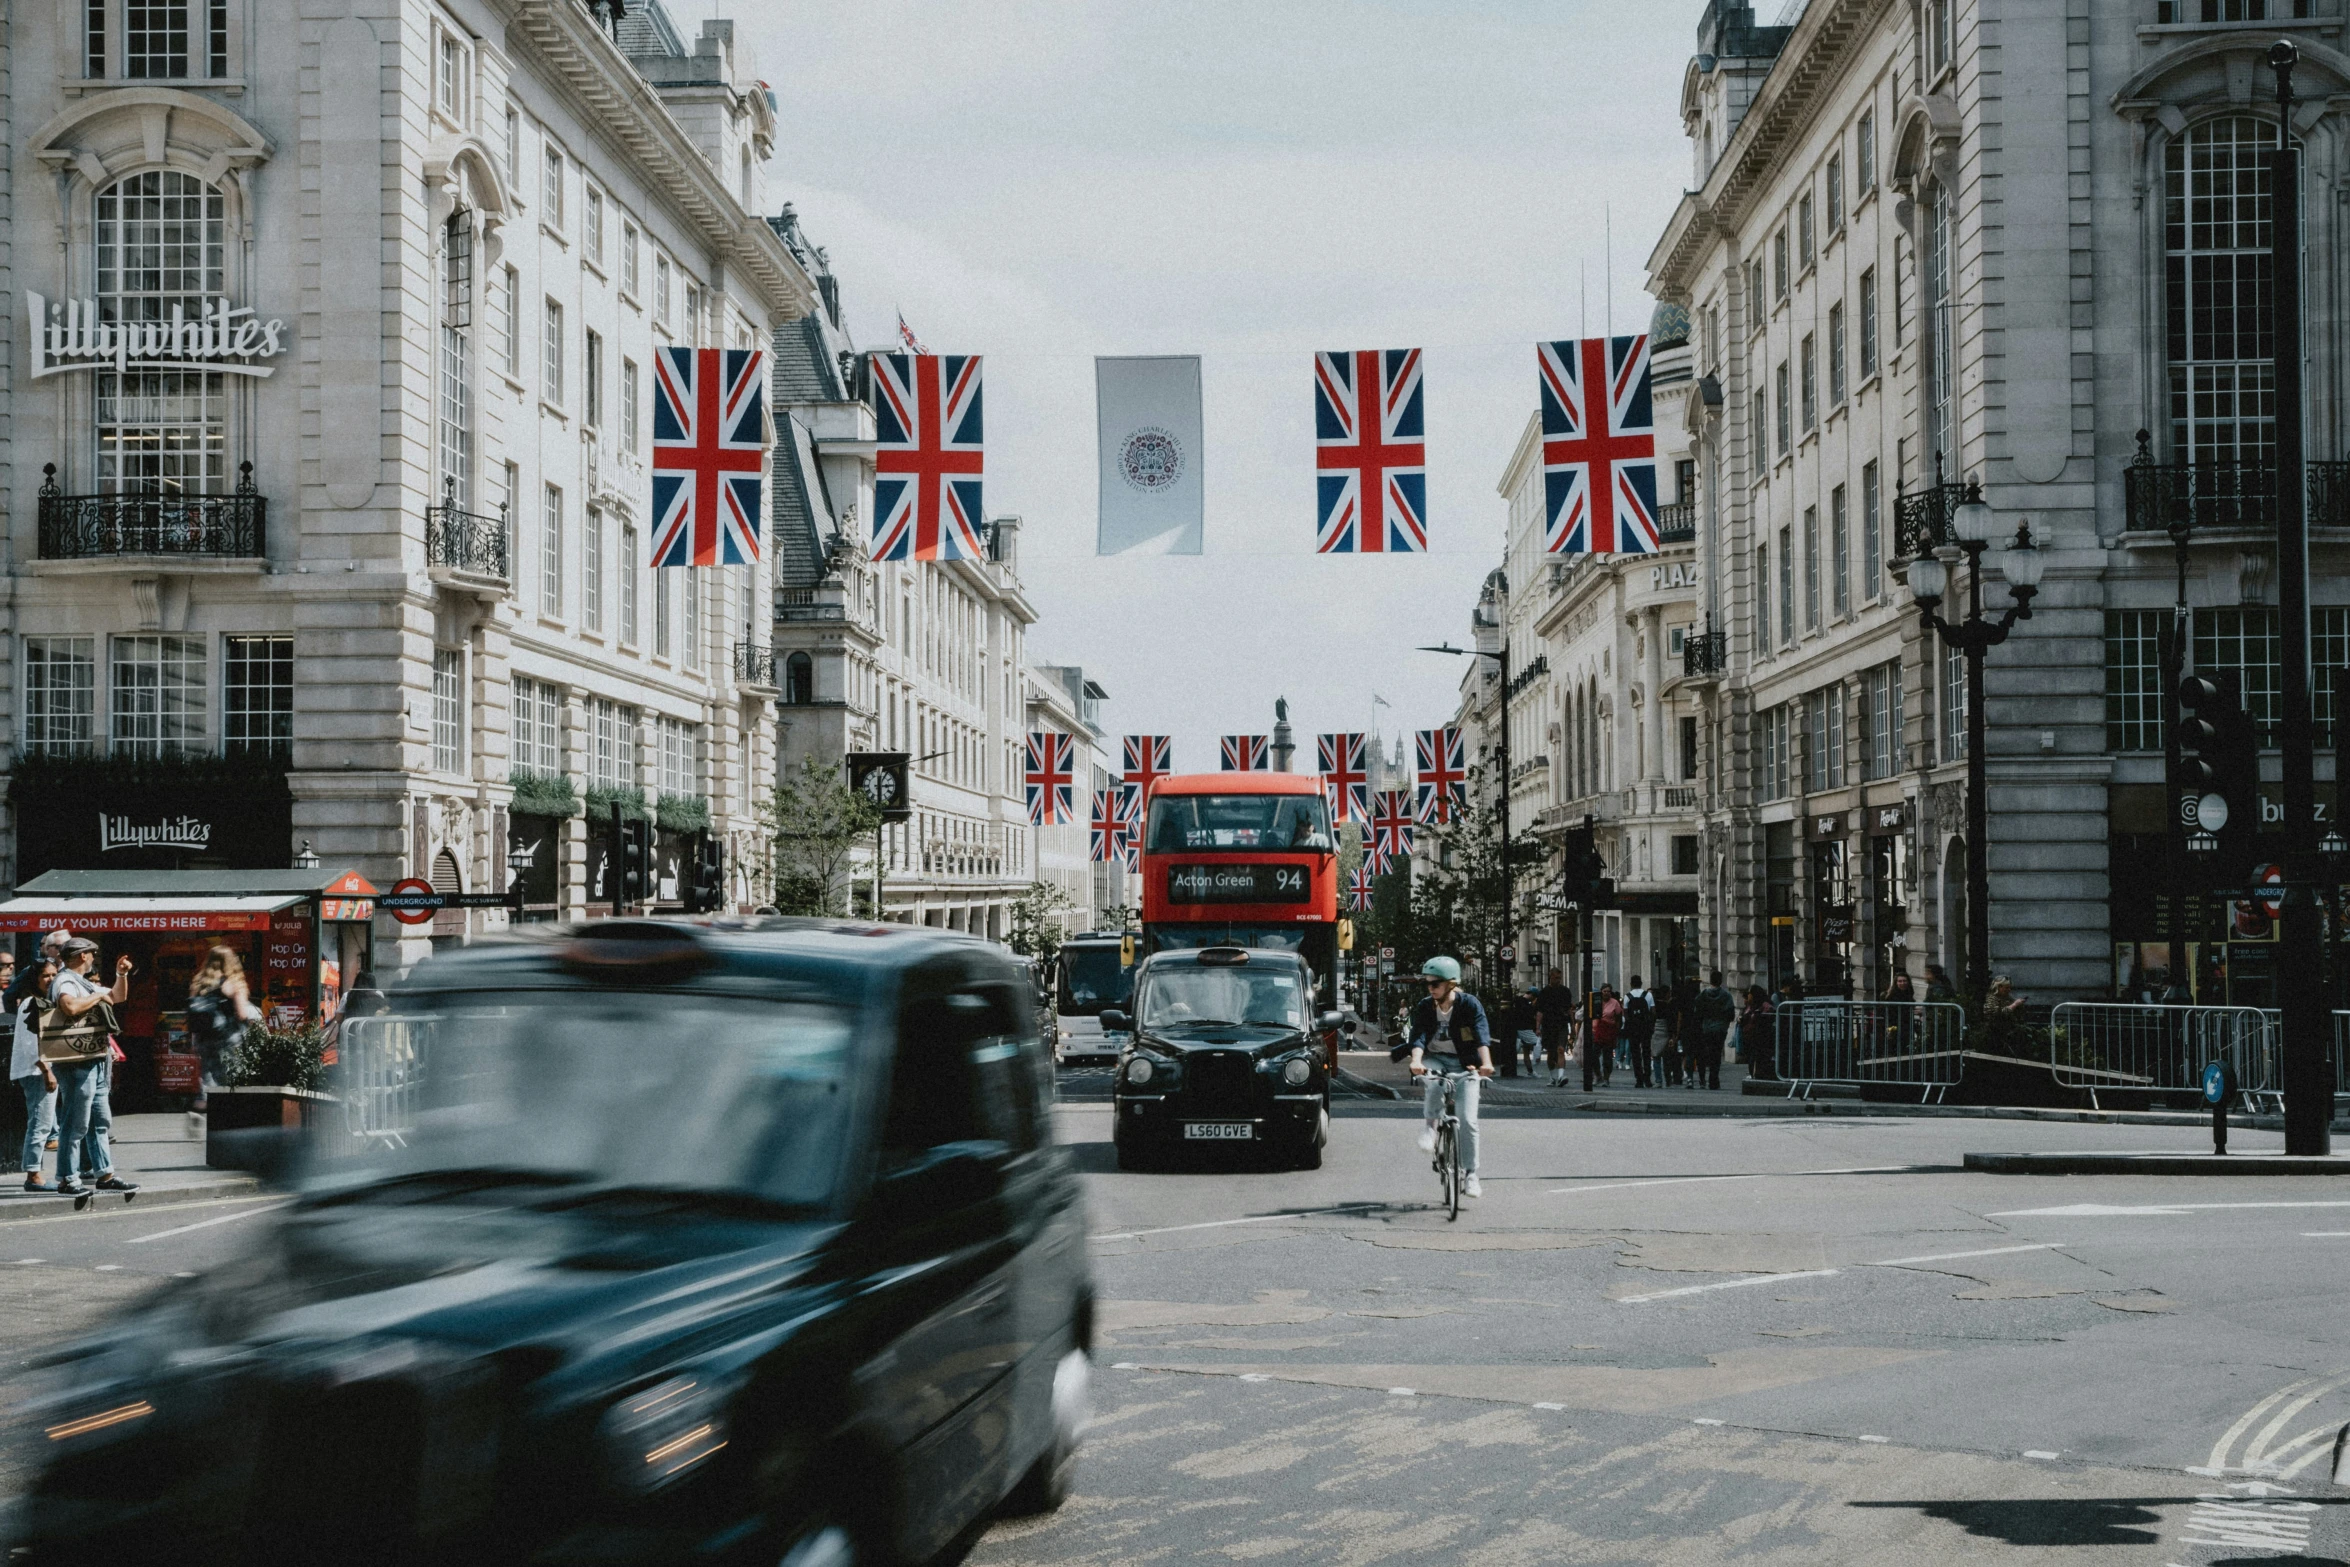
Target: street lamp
[1500, 653]
[1929, 580]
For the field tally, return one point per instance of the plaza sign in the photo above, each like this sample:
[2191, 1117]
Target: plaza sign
[68, 335]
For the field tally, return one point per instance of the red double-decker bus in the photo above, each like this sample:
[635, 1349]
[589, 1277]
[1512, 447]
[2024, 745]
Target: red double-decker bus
[1243, 860]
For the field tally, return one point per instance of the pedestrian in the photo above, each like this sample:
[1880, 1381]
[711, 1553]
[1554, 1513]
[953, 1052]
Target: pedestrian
[1640, 1032]
[1554, 1020]
[77, 1040]
[1758, 1036]
[1715, 1009]
[220, 1004]
[1938, 986]
[35, 1078]
[1451, 1022]
[1672, 1010]
[2003, 1000]
[1605, 1032]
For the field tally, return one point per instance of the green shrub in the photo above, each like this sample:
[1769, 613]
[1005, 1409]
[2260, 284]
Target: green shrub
[279, 1058]
[683, 813]
[543, 794]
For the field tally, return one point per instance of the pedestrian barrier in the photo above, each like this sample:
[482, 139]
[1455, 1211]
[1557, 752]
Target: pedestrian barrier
[381, 1065]
[2121, 1048]
[1905, 1044]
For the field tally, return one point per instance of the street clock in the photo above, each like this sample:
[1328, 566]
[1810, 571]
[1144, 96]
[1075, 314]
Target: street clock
[880, 776]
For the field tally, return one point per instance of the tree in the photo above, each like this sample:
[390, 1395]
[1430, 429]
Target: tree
[1035, 931]
[815, 823]
[1458, 907]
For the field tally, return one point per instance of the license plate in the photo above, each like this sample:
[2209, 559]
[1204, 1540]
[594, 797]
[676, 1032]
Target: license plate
[1219, 1131]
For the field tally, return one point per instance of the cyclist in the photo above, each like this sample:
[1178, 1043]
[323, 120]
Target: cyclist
[1452, 1022]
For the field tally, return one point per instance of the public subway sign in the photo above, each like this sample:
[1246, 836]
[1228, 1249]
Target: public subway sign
[68, 335]
[179, 832]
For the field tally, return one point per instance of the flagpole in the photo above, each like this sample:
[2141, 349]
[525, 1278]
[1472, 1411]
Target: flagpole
[1610, 210]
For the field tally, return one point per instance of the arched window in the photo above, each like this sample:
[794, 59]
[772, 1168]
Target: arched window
[1940, 334]
[161, 245]
[799, 680]
[456, 392]
[2216, 283]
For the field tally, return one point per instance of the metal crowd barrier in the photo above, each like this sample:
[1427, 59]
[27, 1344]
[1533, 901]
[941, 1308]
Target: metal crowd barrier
[381, 1065]
[2126, 1048]
[1907, 1044]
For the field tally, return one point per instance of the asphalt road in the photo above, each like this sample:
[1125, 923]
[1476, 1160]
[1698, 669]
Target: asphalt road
[1683, 1339]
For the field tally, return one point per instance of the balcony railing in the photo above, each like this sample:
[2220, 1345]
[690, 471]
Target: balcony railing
[2160, 496]
[803, 604]
[466, 541]
[1681, 797]
[1921, 521]
[150, 522]
[1677, 524]
[754, 664]
[1704, 653]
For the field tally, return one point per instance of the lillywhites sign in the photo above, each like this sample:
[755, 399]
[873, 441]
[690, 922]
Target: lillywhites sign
[183, 832]
[68, 335]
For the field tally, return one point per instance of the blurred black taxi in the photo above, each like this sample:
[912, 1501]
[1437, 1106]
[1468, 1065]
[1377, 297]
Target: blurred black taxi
[704, 1244]
[1226, 1050]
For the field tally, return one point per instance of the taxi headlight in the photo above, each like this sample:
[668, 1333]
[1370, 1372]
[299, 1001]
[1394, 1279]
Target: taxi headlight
[653, 1438]
[1139, 1070]
[1297, 1071]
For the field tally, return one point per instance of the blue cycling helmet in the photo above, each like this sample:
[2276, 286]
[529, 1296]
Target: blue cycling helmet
[1441, 968]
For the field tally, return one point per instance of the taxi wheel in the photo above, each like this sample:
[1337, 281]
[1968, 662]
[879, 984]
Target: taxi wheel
[1046, 1485]
[823, 1545]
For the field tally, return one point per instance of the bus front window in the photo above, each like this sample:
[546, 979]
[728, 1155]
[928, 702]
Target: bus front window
[1239, 821]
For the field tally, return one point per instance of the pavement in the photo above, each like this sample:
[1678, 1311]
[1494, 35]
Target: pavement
[153, 1150]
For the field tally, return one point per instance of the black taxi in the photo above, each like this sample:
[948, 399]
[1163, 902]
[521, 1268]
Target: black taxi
[695, 1243]
[1226, 1049]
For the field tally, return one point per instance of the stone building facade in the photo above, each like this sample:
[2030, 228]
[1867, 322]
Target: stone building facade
[345, 547]
[1938, 241]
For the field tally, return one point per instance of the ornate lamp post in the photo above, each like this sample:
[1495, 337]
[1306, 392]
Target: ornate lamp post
[1929, 579]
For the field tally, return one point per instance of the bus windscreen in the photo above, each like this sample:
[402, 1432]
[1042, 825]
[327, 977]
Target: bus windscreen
[1277, 822]
[1092, 977]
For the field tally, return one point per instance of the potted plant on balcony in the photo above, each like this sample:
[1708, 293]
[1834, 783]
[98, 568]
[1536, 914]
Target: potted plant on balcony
[275, 1078]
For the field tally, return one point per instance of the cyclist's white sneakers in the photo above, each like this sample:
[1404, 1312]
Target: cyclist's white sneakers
[1428, 1139]
[1474, 1188]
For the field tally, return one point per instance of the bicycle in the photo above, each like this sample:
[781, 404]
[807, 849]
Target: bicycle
[1448, 1145]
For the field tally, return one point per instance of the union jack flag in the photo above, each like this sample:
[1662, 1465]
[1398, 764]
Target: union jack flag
[709, 455]
[1345, 778]
[1598, 447]
[1358, 887]
[927, 458]
[1052, 779]
[1129, 807]
[1148, 759]
[1444, 774]
[1248, 753]
[1371, 438]
[1391, 831]
[1109, 827]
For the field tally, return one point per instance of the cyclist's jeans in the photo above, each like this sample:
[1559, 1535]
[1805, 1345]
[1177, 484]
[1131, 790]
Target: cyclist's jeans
[1465, 1091]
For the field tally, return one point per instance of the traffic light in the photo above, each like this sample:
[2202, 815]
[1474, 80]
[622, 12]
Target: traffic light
[1582, 871]
[2215, 770]
[634, 863]
[706, 892]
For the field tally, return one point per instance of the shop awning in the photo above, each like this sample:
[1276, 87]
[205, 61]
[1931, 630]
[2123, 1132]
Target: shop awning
[250, 911]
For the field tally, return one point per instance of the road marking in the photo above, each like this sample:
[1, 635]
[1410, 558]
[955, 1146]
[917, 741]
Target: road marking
[2034, 1452]
[1701, 1420]
[1254, 1376]
[1401, 1392]
[1956, 1256]
[1218, 1224]
[2098, 1210]
[1550, 1406]
[26, 1262]
[1726, 1284]
[1876, 1439]
[2324, 1235]
[204, 1224]
[1770, 1175]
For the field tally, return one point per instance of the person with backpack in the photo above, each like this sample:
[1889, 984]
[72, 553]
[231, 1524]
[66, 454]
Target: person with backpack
[220, 1004]
[1640, 1032]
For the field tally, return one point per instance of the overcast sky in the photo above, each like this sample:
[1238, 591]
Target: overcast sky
[1042, 182]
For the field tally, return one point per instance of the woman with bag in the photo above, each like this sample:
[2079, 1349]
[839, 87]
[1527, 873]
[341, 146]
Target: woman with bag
[220, 1004]
[35, 1078]
[77, 1041]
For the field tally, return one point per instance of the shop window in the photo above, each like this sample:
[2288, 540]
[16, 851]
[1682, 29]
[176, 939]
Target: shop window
[799, 683]
[1685, 854]
[60, 696]
[160, 244]
[2134, 704]
[448, 710]
[157, 694]
[257, 694]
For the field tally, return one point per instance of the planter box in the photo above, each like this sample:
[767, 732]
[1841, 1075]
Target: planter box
[235, 1110]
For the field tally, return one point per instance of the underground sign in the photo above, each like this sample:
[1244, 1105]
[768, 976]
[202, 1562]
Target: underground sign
[412, 901]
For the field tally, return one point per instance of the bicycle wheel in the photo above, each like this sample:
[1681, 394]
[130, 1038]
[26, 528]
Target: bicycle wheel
[1444, 1162]
[1452, 1175]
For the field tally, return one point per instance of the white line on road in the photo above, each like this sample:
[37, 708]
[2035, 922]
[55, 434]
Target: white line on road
[1699, 1180]
[2324, 1235]
[202, 1224]
[2037, 1452]
[1726, 1284]
[1218, 1224]
[1955, 1256]
[2098, 1210]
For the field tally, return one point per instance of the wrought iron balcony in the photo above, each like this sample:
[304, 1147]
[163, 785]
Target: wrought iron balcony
[1704, 653]
[2161, 497]
[754, 664]
[234, 526]
[1921, 521]
[1677, 523]
[465, 540]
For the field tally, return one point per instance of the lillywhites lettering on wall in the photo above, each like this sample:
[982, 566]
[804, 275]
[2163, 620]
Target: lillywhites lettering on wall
[183, 832]
[68, 335]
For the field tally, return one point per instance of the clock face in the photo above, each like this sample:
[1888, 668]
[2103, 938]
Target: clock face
[881, 786]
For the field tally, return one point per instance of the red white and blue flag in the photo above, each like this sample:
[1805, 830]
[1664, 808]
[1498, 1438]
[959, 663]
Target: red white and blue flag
[1149, 758]
[927, 457]
[1391, 831]
[1370, 435]
[1444, 774]
[1248, 753]
[1344, 777]
[1598, 447]
[1109, 826]
[1052, 779]
[709, 455]
[1358, 887]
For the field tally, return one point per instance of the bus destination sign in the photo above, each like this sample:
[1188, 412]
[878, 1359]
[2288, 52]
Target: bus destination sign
[1254, 883]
